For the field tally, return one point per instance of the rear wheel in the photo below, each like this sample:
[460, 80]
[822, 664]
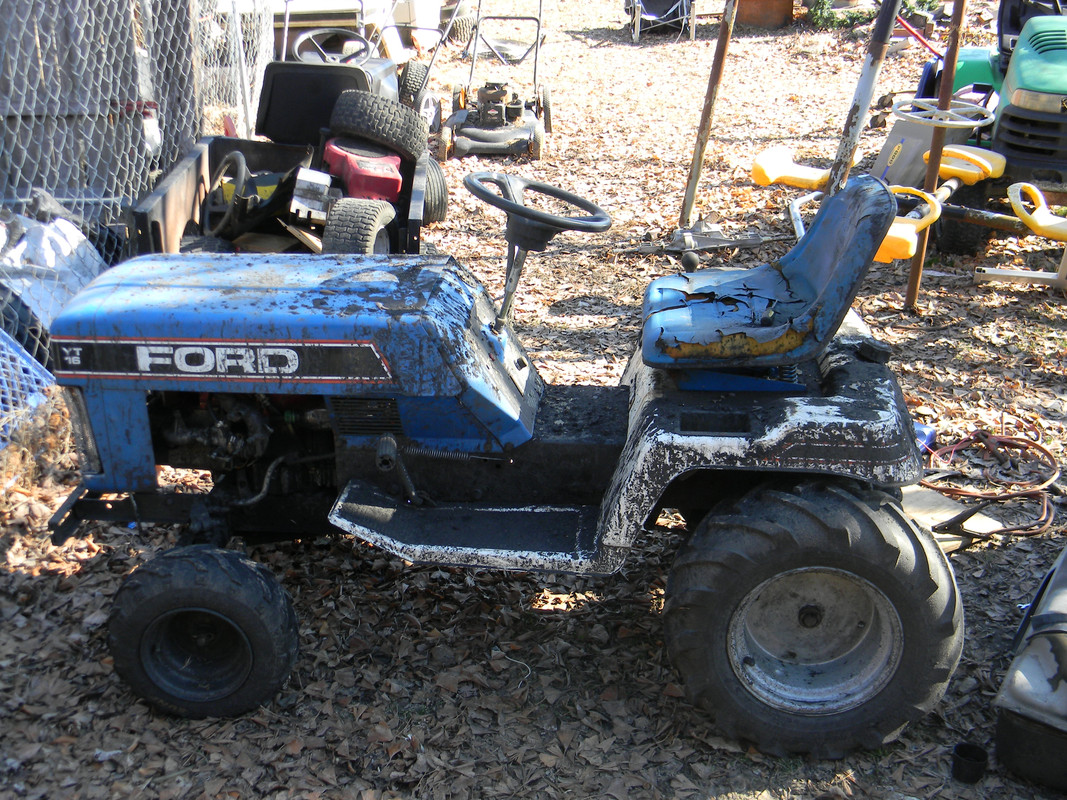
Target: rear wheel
[20, 323]
[815, 619]
[200, 631]
[363, 115]
[546, 109]
[357, 226]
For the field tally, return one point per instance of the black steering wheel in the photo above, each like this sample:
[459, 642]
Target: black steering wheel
[532, 228]
[328, 45]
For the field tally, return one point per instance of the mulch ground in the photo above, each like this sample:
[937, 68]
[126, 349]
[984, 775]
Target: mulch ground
[442, 683]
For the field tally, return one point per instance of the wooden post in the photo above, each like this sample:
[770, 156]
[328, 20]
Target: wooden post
[726, 29]
[937, 144]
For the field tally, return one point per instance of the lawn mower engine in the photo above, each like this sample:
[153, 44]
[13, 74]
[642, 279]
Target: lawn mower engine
[365, 169]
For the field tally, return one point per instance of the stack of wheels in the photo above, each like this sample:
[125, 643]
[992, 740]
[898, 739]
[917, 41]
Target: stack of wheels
[462, 30]
[813, 618]
[368, 226]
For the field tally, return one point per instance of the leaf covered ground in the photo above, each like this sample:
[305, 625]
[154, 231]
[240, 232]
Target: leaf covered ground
[442, 683]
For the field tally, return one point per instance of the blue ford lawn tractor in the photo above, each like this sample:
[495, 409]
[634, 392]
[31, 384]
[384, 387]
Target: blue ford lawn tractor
[389, 398]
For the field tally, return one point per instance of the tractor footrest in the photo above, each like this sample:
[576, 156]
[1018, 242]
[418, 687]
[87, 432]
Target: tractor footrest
[551, 538]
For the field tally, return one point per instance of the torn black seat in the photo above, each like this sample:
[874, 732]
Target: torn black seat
[775, 314]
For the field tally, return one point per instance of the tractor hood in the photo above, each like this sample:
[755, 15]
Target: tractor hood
[394, 326]
[1039, 61]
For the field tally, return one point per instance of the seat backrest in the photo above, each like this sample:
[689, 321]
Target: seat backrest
[832, 258]
[298, 98]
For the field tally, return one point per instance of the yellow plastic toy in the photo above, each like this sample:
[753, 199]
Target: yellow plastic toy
[969, 164]
[776, 165]
[902, 240]
[1042, 222]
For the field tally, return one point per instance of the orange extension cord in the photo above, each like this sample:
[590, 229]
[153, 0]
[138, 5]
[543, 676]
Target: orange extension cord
[1005, 473]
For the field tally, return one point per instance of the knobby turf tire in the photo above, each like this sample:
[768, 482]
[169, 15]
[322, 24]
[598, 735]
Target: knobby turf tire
[199, 631]
[823, 532]
[462, 30]
[21, 324]
[357, 226]
[412, 85]
[435, 204]
[377, 119]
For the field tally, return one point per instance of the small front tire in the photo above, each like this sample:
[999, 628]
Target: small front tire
[358, 226]
[203, 632]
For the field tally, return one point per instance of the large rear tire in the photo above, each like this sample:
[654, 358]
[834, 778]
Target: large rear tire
[813, 619]
[200, 632]
[357, 226]
[363, 115]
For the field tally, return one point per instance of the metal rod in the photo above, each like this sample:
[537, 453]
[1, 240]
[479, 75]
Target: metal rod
[861, 100]
[242, 76]
[937, 144]
[918, 36]
[726, 29]
[516, 259]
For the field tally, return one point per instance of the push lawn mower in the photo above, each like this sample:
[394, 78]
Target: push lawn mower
[493, 119]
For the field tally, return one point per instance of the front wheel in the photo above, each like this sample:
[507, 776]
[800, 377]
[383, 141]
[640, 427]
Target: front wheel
[200, 632]
[813, 619]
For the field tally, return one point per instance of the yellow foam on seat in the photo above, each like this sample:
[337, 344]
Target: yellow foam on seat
[969, 164]
[1041, 220]
[776, 165]
[902, 240]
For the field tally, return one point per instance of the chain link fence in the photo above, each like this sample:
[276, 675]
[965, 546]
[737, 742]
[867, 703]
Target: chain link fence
[98, 99]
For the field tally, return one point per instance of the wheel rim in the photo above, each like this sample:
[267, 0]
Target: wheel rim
[381, 242]
[815, 641]
[196, 654]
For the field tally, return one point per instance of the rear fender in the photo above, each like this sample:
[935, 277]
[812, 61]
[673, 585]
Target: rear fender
[857, 427]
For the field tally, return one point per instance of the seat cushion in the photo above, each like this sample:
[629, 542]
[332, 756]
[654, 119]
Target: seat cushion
[692, 317]
[775, 314]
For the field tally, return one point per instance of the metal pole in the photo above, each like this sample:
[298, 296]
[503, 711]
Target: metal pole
[937, 144]
[726, 29]
[242, 76]
[861, 100]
